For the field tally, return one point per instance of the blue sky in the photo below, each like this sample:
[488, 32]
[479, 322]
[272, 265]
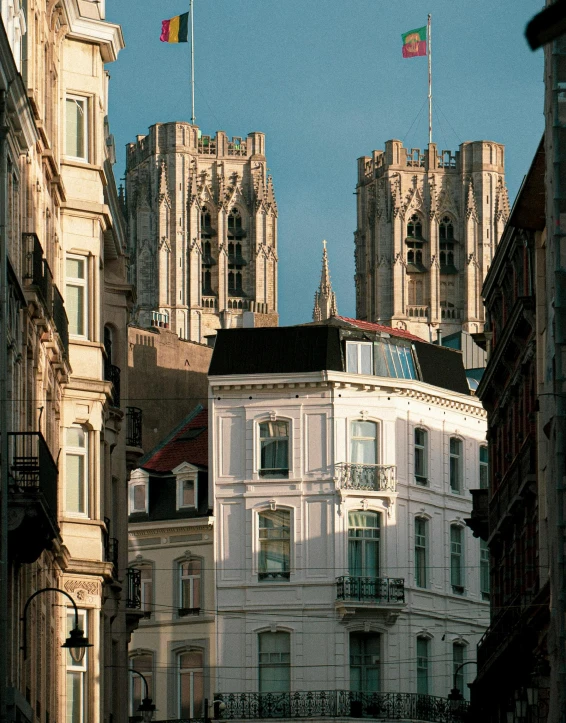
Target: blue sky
[326, 82]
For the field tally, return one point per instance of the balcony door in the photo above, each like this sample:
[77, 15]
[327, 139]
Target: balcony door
[365, 662]
[363, 442]
[363, 543]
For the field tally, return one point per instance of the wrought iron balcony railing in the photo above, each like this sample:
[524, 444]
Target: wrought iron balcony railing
[134, 417]
[133, 582]
[370, 477]
[341, 703]
[371, 589]
[112, 374]
[31, 466]
[60, 318]
[111, 551]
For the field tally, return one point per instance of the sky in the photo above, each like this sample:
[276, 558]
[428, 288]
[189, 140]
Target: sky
[326, 82]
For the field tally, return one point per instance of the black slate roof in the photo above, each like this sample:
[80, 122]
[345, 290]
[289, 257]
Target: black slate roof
[311, 348]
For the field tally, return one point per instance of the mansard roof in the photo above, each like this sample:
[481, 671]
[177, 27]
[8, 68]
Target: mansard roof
[188, 442]
[318, 347]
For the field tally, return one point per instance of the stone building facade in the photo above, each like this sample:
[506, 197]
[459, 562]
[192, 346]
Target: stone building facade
[66, 308]
[202, 230]
[428, 224]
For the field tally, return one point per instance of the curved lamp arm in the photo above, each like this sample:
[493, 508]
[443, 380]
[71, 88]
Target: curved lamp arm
[26, 606]
[137, 672]
[455, 694]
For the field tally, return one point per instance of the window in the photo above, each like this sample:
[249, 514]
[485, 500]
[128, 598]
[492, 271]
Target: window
[420, 456]
[456, 559]
[77, 675]
[455, 465]
[186, 493]
[365, 662]
[76, 471]
[363, 543]
[363, 443]
[359, 357]
[274, 662]
[191, 684]
[446, 241]
[143, 664]
[274, 449]
[394, 359]
[146, 589]
[458, 657]
[423, 645]
[76, 127]
[274, 544]
[414, 227]
[190, 572]
[420, 552]
[138, 497]
[76, 295]
[484, 468]
[414, 243]
[484, 570]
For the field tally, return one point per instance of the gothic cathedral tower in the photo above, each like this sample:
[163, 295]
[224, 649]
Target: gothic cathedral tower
[428, 225]
[202, 230]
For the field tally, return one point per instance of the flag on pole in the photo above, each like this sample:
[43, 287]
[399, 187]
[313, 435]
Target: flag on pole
[175, 30]
[414, 43]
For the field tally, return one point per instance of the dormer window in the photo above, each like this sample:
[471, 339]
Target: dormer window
[187, 486]
[138, 492]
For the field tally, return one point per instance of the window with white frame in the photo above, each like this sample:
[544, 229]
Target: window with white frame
[364, 529]
[76, 127]
[363, 442]
[138, 495]
[421, 542]
[146, 573]
[421, 455]
[76, 471]
[359, 357]
[186, 492]
[274, 544]
[274, 662]
[274, 449]
[76, 296]
[456, 465]
[190, 575]
[484, 467]
[458, 672]
[423, 663]
[191, 684]
[77, 675]
[365, 662]
[143, 663]
[484, 570]
[457, 559]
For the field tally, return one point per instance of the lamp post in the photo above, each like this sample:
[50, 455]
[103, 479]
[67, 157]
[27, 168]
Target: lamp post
[147, 706]
[76, 642]
[455, 694]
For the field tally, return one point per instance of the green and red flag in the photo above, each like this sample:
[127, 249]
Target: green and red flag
[175, 30]
[414, 43]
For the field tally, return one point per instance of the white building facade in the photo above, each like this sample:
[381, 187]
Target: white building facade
[343, 561]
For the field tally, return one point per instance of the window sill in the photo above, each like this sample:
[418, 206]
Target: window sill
[457, 589]
[273, 475]
[485, 596]
[273, 576]
[422, 481]
[184, 612]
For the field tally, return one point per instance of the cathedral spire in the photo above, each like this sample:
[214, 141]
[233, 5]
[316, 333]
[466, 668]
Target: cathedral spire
[324, 298]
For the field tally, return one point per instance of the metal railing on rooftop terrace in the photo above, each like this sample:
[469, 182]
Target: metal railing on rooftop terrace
[339, 704]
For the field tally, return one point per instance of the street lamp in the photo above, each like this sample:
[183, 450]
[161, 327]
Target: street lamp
[146, 707]
[76, 643]
[455, 696]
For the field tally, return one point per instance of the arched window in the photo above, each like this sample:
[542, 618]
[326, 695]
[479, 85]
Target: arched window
[274, 560]
[421, 456]
[146, 570]
[234, 224]
[421, 551]
[456, 466]
[143, 663]
[446, 229]
[457, 559]
[231, 286]
[274, 448]
[447, 246]
[190, 586]
[274, 662]
[414, 243]
[191, 684]
[414, 227]
[423, 663]
[365, 662]
[458, 668]
[364, 529]
[236, 262]
[363, 442]
[205, 223]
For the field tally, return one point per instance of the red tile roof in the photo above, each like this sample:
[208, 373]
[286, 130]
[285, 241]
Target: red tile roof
[182, 447]
[371, 326]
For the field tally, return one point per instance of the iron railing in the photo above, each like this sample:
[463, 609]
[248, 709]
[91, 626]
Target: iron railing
[60, 318]
[112, 374]
[31, 466]
[111, 551]
[133, 583]
[371, 589]
[134, 416]
[371, 477]
[341, 703]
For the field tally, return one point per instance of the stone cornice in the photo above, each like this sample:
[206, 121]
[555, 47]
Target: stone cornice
[149, 529]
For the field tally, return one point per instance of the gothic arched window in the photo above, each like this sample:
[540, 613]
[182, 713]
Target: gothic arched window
[447, 246]
[415, 227]
[234, 223]
[414, 243]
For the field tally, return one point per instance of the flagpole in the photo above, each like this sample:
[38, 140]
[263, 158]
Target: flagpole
[193, 64]
[429, 82]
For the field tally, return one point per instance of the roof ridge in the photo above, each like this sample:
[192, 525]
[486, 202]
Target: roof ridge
[164, 442]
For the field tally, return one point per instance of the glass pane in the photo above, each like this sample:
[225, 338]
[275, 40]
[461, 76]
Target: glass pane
[363, 451]
[139, 497]
[194, 567]
[191, 659]
[198, 694]
[357, 518]
[351, 358]
[274, 429]
[74, 487]
[483, 454]
[74, 305]
[75, 128]
[185, 680]
[355, 558]
[188, 499]
[75, 268]
[364, 429]
[366, 359]
[419, 462]
[75, 437]
[420, 437]
[455, 446]
[74, 697]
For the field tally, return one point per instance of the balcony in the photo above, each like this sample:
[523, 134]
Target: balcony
[478, 522]
[378, 596]
[112, 374]
[33, 473]
[340, 704]
[134, 417]
[366, 477]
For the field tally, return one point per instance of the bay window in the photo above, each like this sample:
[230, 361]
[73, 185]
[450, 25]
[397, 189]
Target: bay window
[76, 298]
[76, 127]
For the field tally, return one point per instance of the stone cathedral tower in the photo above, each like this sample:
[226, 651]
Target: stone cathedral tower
[202, 225]
[428, 225]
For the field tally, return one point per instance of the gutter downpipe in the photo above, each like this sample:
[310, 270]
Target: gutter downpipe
[4, 572]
